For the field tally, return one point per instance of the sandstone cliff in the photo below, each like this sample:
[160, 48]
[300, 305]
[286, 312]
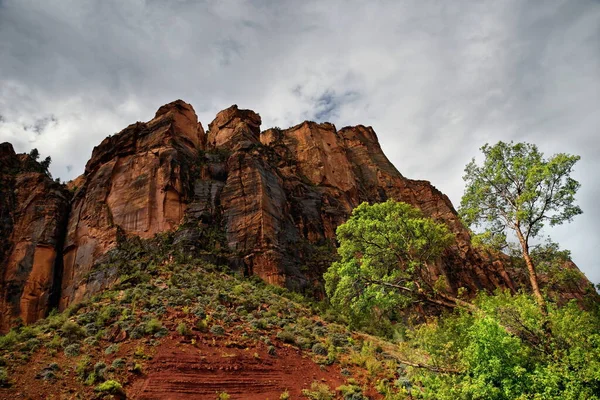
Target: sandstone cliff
[275, 197]
[33, 212]
[136, 181]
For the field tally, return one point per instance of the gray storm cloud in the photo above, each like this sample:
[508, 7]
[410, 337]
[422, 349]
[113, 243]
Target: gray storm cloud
[435, 79]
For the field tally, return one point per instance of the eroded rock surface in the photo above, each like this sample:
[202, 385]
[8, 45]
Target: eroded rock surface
[33, 212]
[137, 181]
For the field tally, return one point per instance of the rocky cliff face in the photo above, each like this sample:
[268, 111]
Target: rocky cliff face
[277, 196]
[137, 182]
[33, 215]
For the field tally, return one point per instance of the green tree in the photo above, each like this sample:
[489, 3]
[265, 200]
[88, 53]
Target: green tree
[504, 352]
[34, 154]
[385, 252]
[517, 189]
[39, 166]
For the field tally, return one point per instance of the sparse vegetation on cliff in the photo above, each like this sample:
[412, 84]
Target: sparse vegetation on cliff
[114, 335]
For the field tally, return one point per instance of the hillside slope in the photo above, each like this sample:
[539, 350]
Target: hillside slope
[174, 328]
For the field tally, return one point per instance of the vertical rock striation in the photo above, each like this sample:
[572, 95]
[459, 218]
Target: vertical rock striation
[137, 182]
[33, 213]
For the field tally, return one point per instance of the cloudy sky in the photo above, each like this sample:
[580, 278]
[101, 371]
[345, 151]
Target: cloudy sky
[436, 79]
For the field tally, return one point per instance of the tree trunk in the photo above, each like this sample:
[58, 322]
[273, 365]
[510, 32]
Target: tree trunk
[532, 274]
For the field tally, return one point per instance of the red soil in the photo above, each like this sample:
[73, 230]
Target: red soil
[204, 370]
[183, 369]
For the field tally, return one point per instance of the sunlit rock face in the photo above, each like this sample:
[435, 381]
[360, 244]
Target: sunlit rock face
[137, 181]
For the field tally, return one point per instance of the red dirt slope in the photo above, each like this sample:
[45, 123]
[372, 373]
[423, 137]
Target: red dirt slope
[204, 370]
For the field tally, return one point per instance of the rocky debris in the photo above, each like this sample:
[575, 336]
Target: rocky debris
[33, 213]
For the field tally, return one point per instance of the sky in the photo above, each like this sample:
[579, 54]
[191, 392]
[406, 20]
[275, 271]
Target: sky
[436, 79]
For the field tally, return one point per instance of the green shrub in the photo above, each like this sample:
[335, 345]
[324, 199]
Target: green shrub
[72, 350]
[83, 367]
[55, 320]
[137, 368]
[110, 386]
[338, 339]
[72, 331]
[9, 340]
[138, 332]
[4, 379]
[152, 326]
[100, 368]
[303, 342]
[28, 332]
[352, 392]
[91, 328]
[118, 363]
[113, 348]
[92, 378]
[107, 314]
[217, 330]
[319, 349]
[201, 325]
[183, 329]
[318, 391]
[223, 396]
[286, 337]
[90, 341]
[31, 345]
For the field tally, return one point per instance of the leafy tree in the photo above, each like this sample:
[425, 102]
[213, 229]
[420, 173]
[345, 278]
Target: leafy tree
[517, 189]
[45, 164]
[504, 352]
[385, 252]
[34, 154]
[39, 166]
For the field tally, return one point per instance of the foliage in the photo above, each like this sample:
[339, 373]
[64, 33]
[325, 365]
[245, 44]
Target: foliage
[385, 249]
[504, 352]
[35, 165]
[516, 189]
[318, 391]
[110, 386]
[285, 395]
[190, 292]
[4, 379]
[351, 391]
[183, 329]
[72, 350]
[217, 330]
[72, 331]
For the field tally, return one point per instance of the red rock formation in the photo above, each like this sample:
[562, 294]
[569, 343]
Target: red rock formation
[137, 181]
[278, 196]
[33, 211]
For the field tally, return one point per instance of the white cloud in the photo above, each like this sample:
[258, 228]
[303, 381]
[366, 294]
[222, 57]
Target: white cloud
[436, 79]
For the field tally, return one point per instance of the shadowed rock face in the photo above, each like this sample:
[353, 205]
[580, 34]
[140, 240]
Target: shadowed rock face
[33, 213]
[278, 196]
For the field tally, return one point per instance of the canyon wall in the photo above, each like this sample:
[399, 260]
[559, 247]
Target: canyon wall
[276, 195]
